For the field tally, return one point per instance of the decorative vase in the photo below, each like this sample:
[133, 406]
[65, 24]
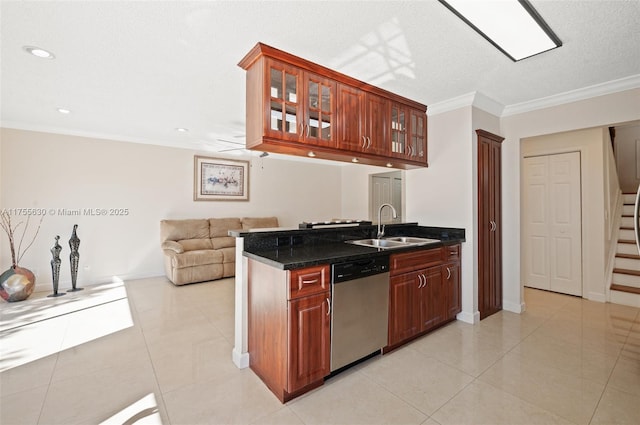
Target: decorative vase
[17, 284]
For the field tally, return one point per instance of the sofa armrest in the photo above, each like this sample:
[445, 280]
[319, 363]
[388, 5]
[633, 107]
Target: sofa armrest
[173, 246]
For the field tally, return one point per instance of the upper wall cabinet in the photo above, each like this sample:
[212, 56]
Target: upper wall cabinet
[297, 107]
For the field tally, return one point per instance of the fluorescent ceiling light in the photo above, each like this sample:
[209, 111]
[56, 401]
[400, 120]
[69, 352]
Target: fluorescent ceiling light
[512, 26]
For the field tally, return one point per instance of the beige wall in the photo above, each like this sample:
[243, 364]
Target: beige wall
[598, 111]
[627, 140]
[41, 170]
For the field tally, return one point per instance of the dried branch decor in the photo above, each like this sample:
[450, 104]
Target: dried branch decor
[12, 231]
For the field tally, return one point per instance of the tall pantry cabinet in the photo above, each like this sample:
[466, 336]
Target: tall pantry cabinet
[489, 223]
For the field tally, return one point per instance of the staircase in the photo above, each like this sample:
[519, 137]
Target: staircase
[625, 284]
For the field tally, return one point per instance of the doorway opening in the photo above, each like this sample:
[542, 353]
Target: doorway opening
[386, 188]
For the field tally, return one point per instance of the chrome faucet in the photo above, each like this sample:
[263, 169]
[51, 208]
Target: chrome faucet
[395, 215]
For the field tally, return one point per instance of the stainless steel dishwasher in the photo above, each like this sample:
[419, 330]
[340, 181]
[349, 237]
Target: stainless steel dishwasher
[359, 309]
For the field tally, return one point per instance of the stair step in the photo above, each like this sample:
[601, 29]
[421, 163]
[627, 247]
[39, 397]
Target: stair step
[627, 271]
[628, 209]
[627, 261]
[626, 221]
[627, 234]
[627, 248]
[629, 256]
[624, 288]
[629, 198]
[629, 241]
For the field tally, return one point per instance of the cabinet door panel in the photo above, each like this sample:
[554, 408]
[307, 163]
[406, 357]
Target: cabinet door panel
[403, 307]
[376, 125]
[350, 114]
[309, 340]
[432, 300]
[451, 279]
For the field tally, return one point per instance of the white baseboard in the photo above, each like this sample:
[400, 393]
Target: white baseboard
[241, 360]
[471, 318]
[595, 296]
[513, 307]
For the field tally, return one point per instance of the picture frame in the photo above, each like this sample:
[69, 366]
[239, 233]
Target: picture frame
[217, 179]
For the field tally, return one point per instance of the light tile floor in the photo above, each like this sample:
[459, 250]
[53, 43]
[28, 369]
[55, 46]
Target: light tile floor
[156, 353]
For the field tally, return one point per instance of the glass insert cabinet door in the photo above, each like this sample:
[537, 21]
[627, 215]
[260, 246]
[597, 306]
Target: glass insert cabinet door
[399, 144]
[320, 114]
[284, 99]
[418, 134]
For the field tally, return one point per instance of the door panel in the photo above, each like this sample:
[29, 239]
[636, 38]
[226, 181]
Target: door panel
[552, 223]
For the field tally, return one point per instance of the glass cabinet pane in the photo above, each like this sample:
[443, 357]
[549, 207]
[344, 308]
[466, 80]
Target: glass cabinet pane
[276, 83]
[326, 99]
[291, 88]
[398, 130]
[291, 120]
[276, 116]
[326, 127]
[313, 95]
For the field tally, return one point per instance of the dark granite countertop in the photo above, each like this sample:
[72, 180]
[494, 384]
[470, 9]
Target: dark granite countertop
[296, 248]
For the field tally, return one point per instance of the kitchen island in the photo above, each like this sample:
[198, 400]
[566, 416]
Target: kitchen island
[286, 328]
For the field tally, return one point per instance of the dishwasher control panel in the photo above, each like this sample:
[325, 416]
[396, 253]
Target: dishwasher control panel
[356, 269]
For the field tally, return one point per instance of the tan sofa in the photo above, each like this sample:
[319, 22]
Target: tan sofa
[197, 250]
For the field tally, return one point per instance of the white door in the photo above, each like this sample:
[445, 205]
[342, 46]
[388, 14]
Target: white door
[386, 188]
[552, 223]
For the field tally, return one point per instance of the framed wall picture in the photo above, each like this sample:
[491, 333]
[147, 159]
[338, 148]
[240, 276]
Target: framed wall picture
[217, 179]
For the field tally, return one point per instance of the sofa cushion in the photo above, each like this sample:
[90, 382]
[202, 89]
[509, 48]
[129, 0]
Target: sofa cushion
[259, 222]
[173, 246]
[219, 227]
[176, 230]
[226, 242]
[196, 258]
[195, 244]
[228, 255]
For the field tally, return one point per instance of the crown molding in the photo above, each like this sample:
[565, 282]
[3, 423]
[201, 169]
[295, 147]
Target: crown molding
[475, 99]
[614, 86]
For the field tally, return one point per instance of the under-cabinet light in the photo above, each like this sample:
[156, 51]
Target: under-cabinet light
[311, 154]
[355, 160]
[389, 164]
[513, 26]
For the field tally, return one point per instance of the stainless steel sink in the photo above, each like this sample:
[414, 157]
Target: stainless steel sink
[379, 243]
[393, 242]
[412, 240]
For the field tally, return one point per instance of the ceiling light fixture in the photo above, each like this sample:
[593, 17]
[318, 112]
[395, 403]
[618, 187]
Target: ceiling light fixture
[182, 130]
[64, 111]
[39, 52]
[513, 26]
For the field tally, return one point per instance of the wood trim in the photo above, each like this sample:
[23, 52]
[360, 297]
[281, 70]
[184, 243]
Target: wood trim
[625, 288]
[628, 256]
[627, 271]
[494, 137]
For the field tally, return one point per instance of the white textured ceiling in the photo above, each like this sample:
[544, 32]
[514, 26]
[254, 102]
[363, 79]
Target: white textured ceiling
[137, 70]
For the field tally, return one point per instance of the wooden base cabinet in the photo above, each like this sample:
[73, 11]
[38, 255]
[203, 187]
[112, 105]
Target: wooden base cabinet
[424, 293]
[289, 327]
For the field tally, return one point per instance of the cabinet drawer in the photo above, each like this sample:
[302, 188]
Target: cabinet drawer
[451, 252]
[409, 261]
[308, 281]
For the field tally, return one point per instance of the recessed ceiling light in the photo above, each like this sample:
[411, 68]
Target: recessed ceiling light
[39, 52]
[182, 130]
[513, 26]
[64, 111]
